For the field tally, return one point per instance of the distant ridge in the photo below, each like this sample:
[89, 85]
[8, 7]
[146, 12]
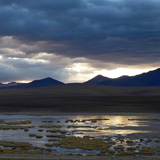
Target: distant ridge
[151, 78]
[99, 79]
[46, 82]
[43, 83]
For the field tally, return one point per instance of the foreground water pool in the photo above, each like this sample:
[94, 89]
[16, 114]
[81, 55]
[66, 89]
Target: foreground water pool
[100, 135]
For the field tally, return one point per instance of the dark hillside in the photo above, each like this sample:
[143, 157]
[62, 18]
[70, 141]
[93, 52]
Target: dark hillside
[80, 98]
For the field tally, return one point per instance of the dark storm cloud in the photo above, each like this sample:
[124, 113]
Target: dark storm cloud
[119, 31]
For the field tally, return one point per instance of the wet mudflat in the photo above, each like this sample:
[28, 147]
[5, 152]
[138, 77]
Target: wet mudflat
[80, 135]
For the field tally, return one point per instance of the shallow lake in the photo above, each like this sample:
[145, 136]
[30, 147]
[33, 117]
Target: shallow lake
[120, 133]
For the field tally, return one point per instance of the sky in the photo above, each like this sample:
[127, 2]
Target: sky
[75, 40]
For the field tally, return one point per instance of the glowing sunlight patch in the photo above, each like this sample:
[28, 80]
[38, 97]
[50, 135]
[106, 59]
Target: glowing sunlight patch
[121, 71]
[79, 67]
[83, 72]
[23, 81]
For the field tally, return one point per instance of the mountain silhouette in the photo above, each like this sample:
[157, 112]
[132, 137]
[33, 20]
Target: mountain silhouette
[151, 78]
[99, 79]
[46, 82]
[43, 83]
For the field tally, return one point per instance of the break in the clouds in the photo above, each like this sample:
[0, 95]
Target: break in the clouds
[72, 40]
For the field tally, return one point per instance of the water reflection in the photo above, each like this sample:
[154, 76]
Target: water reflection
[108, 128]
[84, 126]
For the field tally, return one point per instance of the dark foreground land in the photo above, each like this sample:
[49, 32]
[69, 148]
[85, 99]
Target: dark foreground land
[49, 157]
[81, 98]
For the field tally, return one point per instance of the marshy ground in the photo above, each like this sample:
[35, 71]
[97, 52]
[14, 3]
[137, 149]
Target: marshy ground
[81, 136]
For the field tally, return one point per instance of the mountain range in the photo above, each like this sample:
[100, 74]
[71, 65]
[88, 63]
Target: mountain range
[151, 78]
[46, 82]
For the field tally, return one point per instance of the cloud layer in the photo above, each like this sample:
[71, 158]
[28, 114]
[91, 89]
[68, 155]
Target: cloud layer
[51, 37]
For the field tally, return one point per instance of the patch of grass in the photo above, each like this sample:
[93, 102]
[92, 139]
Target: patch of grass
[14, 144]
[125, 154]
[38, 148]
[157, 149]
[36, 152]
[149, 140]
[111, 152]
[104, 150]
[157, 141]
[19, 122]
[2, 121]
[55, 136]
[56, 131]
[72, 126]
[90, 155]
[32, 135]
[72, 121]
[112, 142]
[129, 141]
[147, 151]
[83, 143]
[19, 148]
[7, 151]
[14, 127]
[119, 147]
[122, 140]
[44, 121]
[141, 140]
[26, 130]
[39, 136]
[131, 148]
[51, 145]
[52, 140]
[40, 130]
[48, 149]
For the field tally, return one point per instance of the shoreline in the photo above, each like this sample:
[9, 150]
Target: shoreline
[81, 113]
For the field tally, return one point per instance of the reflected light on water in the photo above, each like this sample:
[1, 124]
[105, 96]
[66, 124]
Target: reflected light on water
[117, 131]
[122, 121]
[117, 121]
[125, 132]
[114, 125]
